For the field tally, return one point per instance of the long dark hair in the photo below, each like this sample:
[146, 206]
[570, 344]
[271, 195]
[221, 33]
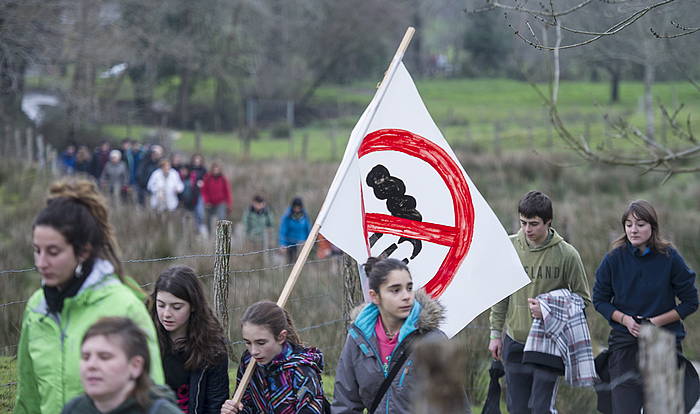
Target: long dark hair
[79, 212]
[266, 313]
[643, 210]
[378, 269]
[133, 341]
[205, 343]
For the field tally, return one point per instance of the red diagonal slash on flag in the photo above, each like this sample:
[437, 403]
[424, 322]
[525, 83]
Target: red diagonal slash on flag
[458, 237]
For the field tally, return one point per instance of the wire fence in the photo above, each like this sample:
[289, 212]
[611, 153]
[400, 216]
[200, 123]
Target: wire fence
[315, 303]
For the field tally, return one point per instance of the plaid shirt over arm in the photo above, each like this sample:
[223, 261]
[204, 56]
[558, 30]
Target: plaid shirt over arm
[563, 332]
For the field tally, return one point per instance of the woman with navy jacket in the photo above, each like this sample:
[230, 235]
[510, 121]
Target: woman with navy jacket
[638, 282]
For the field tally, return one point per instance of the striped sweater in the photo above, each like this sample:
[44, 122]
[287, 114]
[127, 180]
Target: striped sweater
[289, 384]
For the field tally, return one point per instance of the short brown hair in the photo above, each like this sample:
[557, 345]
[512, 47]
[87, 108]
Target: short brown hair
[536, 203]
[134, 342]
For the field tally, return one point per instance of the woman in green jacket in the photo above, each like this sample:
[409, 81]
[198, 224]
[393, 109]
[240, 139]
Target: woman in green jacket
[76, 254]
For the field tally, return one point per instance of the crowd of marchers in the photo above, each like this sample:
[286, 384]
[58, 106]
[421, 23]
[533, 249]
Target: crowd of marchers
[92, 341]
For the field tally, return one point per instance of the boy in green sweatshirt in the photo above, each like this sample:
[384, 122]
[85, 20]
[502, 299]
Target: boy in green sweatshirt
[551, 263]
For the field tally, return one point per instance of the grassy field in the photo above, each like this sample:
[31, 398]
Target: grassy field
[471, 113]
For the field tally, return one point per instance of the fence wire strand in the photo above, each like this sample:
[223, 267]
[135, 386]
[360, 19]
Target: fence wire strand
[170, 258]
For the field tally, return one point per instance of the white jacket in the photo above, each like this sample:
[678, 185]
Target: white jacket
[164, 189]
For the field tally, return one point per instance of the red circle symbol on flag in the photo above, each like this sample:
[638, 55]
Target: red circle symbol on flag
[458, 237]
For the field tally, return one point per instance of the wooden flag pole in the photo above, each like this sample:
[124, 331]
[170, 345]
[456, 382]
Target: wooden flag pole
[304, 254]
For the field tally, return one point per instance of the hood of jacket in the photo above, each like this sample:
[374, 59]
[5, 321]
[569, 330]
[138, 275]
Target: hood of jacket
[553, 238]
[427, 314]
[288, 214]
[102, 274]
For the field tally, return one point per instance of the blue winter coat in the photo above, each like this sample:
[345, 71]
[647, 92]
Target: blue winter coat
[293, 231]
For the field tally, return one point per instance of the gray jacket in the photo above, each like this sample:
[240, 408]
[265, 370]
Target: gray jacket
[360, 373]
[114, 176]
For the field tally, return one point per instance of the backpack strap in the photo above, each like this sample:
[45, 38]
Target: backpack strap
[392, 374]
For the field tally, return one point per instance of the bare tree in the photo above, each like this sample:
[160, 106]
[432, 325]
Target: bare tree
[645, 24]
[27, 32]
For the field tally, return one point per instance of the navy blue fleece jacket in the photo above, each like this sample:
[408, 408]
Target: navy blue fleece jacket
[645, 284]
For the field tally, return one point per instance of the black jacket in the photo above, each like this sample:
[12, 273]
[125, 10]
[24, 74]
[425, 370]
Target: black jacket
[209, 388]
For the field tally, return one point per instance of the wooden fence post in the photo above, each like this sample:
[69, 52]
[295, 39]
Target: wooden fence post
[439, 367]
[663, 381]
[221, 271]
[6, 139]
[352, 289]
[30, 145]
[41, 151]
[18, 143]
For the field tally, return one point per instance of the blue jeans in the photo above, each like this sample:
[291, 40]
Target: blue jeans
[216, 210]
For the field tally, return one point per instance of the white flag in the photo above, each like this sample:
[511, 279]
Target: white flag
[401, 191]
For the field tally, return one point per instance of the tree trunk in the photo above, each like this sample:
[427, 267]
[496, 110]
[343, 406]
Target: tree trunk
[183, 98]
[614, 85]
[649, 70]
[11, 91]
[417, 43]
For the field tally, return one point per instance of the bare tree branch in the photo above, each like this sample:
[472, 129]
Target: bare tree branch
[612, 30]
[664, 160]
[684, 31]
[551, 14]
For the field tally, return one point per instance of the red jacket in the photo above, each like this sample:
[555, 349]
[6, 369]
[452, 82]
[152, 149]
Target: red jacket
[216, 190]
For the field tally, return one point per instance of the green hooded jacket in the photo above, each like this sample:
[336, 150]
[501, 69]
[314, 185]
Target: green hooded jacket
[554, 265]
[48, 354]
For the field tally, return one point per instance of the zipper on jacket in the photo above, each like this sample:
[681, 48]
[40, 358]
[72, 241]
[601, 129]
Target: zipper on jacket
[199, 387]
[378, 358]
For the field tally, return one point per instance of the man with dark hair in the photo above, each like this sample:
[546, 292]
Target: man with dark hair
[552, 264]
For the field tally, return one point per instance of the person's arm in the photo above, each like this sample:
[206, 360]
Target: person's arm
[246, 221]
[497, 319]
[217, 387]
[229, 196]
[246, 405]
[153, 182]
[28, 399]
[578, 282]
[283, 232]
[346, 393]
[179, 185]
[127, 174]
[603, 292]
[309, 392]
[307, 223]
[683, 283]
[204, 191]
